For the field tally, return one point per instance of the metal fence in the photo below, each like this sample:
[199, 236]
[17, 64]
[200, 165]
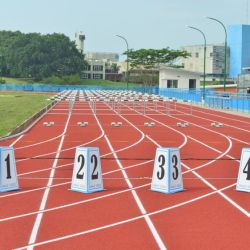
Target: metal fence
[213, 99]
[59, 88]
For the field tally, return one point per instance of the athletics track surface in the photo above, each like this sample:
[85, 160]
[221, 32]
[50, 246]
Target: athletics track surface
[209, 214]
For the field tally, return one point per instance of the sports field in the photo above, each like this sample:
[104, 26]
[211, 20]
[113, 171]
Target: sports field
[16, 107]
[127, 127]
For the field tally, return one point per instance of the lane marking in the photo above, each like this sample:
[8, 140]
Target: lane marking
[125, 221]
[134, 193]
[46, 192]
[247, 143]
[208, 183]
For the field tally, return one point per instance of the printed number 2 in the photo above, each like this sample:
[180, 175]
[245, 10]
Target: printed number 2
[7, 159]
[246, 170]
[94, 160]
[81, 160]
[175, 162]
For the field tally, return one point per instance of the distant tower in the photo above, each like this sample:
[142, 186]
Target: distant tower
[79, 40]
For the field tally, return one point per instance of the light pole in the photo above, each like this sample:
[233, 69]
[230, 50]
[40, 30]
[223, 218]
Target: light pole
[225, 48]
[127, 76]
[204, 64]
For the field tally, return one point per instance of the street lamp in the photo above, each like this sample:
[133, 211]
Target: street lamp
[123, 38]
[225, 47]
[204, 66]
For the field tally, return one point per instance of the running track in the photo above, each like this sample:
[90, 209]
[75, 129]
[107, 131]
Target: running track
[209, 214]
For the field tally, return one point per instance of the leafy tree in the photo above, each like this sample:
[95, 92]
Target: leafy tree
[151, 58]
[39, 56]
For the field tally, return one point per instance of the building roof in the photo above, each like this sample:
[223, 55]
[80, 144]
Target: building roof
[164, 67]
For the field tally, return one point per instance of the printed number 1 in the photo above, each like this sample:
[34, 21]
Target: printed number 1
[246, 170]
[7, 159]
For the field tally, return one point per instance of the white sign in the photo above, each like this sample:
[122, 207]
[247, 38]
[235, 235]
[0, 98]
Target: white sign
[167, 175]
[8, 174]
[243, 181]
[87, 173]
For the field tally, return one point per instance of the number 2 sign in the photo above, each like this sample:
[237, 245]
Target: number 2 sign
[8, 175]
[167, 176]
[243, 181]
[87, 173]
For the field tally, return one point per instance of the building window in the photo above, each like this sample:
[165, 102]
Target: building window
[97, 76]
[196, 54]
[87, 67]
[97, 68]
[172, 83]
[86, 76]
[211, 54]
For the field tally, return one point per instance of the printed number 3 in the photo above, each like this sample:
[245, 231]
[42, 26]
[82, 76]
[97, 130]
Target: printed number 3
[161, 173]
[175, 162]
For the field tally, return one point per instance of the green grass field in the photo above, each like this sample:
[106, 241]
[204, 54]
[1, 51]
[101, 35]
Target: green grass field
[16, 107]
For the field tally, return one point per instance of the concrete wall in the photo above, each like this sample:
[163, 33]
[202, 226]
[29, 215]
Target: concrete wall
[177, 74]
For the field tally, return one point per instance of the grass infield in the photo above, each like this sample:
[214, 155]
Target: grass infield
[16, 107]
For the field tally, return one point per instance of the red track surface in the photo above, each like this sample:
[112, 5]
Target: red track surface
[201, 217]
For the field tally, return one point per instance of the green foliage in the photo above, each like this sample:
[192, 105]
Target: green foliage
[69, 79]
[16, 107]
[76, 80]
[38, 56]
[148, 58]
[2, 81]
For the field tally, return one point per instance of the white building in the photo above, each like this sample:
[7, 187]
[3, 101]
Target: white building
[178, 78]
[94, 70]
[214, 59]
[79, 41]
[102, 56]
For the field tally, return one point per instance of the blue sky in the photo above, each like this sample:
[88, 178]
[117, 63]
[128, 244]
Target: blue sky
[145, 23]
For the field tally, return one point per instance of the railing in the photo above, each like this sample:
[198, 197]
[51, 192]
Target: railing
[213, 99]
[58, 88]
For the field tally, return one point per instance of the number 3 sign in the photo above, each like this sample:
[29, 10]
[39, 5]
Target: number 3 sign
[8, 175]
[167, 176]
[87, 173]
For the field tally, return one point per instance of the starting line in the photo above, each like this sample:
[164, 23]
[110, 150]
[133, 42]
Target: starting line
[87, 172]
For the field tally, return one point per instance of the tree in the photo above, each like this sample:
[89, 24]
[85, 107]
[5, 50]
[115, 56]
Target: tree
[151, 58]
[39, 56]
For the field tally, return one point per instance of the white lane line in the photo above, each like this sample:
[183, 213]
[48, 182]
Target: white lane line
[205, 181]
[39, 143]
[14, 142]
[244, 142]
[74, 203]
[46, 192]
[134, 193]
[226, 124]
[208, 183]
[28, 158]
[241, 209]
[64, 183]
[126, 221]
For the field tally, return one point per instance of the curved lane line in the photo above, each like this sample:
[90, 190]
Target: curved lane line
[125, 221]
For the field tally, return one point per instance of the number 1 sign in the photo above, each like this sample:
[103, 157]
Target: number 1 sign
[167, 176]
[8, 175]
[87, 173]
[243, 182]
